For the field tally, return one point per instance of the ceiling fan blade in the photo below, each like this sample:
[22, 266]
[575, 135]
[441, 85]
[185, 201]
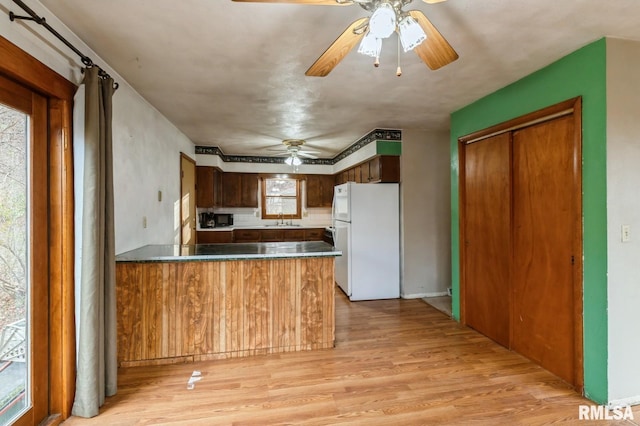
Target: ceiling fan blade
[306, 154]
[314, 2]
[435, 51]
[338, 50]
[433, 1]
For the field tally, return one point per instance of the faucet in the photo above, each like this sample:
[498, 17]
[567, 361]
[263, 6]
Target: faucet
[281, 219]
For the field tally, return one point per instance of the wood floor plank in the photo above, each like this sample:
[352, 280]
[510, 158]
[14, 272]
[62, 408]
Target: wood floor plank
[396, 362]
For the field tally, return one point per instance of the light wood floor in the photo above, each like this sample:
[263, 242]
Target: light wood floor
[396, 362]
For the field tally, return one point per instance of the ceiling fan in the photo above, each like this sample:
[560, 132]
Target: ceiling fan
[295, 151]
[416, 33]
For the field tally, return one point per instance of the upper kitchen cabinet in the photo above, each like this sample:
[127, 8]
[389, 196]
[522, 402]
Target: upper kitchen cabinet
[208, 187]
[380, 169]
[204, 186]
[320, 190]
[385, 169]
[240, 190]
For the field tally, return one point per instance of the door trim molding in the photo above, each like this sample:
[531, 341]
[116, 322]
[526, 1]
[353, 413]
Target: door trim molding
[573, 107]
[21, 67]
[184, 156]
[558, 110]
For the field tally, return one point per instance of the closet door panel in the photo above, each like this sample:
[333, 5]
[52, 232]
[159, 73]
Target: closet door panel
[544, 222]
[487, 236]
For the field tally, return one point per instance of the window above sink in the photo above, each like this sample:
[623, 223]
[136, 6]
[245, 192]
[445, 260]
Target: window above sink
[281, 199]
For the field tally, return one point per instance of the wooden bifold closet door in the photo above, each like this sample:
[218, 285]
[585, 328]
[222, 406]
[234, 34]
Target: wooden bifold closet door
[521, 246]
[488, 236]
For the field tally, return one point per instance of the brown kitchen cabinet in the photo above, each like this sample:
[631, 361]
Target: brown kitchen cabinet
[320, 190]
[380, 169]
[357, 178]
[205, 186]
[249, 190]
[240, 190]
[293, 235]
[214, 237]
[218, 189]
[313, 234]
[384, 169]
[247, 235]
[271, 235]
[253, 235]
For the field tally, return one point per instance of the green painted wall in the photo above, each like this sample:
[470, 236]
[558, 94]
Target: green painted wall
[389, 147]
[582, 73]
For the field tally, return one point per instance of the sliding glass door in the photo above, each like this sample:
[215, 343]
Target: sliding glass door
[23, 241]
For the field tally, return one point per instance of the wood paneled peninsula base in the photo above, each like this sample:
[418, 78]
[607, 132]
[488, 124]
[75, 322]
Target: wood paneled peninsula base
[191, 303]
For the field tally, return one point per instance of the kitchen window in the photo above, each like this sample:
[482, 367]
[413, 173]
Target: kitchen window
[281, 199]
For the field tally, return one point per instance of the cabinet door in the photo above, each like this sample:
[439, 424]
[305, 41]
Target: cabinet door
[314, 191]
[314, 234]
[351, 175]
[271, 235]
[246, 235]
[232, 190]
[218, 189]
[293, 235]
[487, 236]
[389, 168]
[215, 237]
[357, 174]
[204, 186]
[364, 171]
[249, 190]
[327, 190]
[374, 169]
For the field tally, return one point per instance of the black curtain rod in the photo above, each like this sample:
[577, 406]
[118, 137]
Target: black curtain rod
[42, 21]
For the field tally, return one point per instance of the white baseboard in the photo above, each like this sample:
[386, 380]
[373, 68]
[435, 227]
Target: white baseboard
[423, 295]
[634, 400]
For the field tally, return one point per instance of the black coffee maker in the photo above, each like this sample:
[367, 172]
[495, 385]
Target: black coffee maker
[207, 220]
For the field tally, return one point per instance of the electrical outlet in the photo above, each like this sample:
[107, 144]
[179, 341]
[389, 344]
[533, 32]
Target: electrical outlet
[626, 233]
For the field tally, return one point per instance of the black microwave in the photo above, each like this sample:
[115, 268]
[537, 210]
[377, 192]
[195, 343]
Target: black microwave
[223, 219]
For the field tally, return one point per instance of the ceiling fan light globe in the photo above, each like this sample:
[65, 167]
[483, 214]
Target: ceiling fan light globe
[288, 161]
[296, 161]
[411, 33]
[383, 21]
[370, 45]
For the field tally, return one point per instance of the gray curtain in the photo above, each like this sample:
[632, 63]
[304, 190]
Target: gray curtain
[95, 286]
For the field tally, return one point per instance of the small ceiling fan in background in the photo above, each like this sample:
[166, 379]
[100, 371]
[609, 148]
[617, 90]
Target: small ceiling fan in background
[415, 31]
[294, 151]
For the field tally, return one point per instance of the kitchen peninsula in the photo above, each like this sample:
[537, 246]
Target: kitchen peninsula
[211, 301]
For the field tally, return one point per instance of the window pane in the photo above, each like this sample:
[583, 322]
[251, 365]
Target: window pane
[13, 263]
[285, 206]
[282, 187]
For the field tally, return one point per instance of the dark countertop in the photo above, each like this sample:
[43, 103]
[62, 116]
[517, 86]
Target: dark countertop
[241, 227]
[222, 252]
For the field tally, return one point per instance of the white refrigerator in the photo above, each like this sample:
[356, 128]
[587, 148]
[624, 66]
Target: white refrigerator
[366, 222]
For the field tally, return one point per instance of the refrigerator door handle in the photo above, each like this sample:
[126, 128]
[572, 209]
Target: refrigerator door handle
[333, 209]
[335, 233]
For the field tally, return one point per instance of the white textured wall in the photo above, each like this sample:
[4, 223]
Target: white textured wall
[426, 216]
[623, 208]
[146, 155]
[146, 146]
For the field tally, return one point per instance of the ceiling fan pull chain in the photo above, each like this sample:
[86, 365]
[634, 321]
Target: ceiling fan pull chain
[399, 70]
